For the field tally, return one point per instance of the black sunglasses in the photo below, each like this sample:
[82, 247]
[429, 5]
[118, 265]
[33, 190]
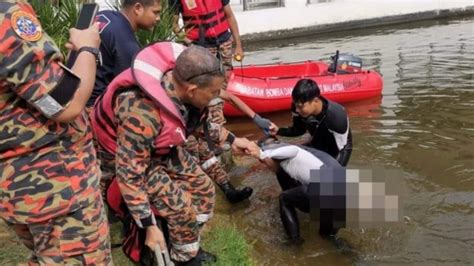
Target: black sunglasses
[220, 71]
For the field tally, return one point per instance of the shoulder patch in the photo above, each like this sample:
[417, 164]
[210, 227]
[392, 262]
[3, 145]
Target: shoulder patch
[26, 26]
[103, 20]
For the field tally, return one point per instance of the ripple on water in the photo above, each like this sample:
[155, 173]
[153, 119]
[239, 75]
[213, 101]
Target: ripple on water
[423, 125]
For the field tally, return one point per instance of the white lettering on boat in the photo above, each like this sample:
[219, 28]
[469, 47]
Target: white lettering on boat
[252, 91]
[285, 92]
[351, 83]
[262, 92]
[332, 87]
[278, 92]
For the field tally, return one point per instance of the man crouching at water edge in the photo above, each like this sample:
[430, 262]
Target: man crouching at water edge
[326, 121]
[298, 164]
[141, 123]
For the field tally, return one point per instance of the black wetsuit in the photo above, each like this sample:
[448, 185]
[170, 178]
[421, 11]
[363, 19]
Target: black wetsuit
[330, 131]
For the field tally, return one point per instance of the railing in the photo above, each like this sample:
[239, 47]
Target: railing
[258, 4]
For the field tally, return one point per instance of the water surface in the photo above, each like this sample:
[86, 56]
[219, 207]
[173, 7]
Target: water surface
[423, 126]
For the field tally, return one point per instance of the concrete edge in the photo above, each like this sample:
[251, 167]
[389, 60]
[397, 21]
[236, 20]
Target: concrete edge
[357, 24]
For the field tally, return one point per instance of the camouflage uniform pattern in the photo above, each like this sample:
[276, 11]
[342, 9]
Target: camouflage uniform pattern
[225, 51]
[172, 184]
[216, 112]
[199, 149]
[217, 134]
[48, 169]
[182, 168]
[216, 106]
[83, 236]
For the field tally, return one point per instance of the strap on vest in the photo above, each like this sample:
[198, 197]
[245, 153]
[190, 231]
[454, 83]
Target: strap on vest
[202, 35]
[205, 16]
[174, 156]
[206, 26]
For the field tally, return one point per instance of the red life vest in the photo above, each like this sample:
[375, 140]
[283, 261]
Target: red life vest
[208, 14]
[146, 72]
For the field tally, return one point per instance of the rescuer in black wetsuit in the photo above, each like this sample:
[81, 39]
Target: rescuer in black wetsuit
[326, 121]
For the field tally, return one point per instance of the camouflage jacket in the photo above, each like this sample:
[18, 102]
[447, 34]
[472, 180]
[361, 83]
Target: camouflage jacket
[47, 168]
[138, 124]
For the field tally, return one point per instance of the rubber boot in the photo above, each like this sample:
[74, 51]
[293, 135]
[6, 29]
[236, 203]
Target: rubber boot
[289, 218]
[205, 256]
[235, 195]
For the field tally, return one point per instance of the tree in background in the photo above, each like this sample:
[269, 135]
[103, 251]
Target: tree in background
[161, 32]
[58, 16]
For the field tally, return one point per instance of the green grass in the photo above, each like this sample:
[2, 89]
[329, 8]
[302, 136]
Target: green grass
[12, 251]
[221, 238]
[228, 244]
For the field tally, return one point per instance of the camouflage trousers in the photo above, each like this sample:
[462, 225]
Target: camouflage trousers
[78, 238]
[191, 202]
[225, 51]
[199, 149]
[216, 106]
[179, 192]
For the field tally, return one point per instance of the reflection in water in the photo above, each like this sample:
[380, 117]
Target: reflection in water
[423, 125]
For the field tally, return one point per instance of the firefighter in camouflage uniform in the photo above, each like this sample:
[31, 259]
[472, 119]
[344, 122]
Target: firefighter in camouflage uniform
[141, 123]
[49, 178]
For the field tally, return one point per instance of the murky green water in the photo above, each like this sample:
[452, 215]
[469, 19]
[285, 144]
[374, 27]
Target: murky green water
[423, 126]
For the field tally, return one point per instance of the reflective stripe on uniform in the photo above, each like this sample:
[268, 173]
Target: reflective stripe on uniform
[185, 248]
[48, 106]
[202, 218]
[208, 163]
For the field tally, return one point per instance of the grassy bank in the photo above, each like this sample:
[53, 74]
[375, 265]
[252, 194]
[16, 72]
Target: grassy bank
[12, 251]
[230, 246]
[221, 239]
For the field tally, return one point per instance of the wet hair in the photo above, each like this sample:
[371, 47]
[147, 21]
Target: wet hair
[305, 90]
[270, 143]
[198, 66]
[267, 140]
[145, 3]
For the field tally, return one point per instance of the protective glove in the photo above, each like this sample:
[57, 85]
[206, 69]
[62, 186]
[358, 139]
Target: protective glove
[262, 123]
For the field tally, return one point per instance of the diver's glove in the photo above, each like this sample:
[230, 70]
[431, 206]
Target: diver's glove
[262, 123]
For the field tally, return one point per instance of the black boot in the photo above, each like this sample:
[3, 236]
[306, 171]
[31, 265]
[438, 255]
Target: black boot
[202, 257]
[290, 222]
[235, 195]
[205, 256]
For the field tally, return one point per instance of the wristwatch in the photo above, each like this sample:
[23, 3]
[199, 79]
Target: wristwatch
[94, 51]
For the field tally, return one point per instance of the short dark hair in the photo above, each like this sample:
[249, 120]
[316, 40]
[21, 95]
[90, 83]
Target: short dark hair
[267, 140]
[129, 3]
[198, 66]
[305, 90]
